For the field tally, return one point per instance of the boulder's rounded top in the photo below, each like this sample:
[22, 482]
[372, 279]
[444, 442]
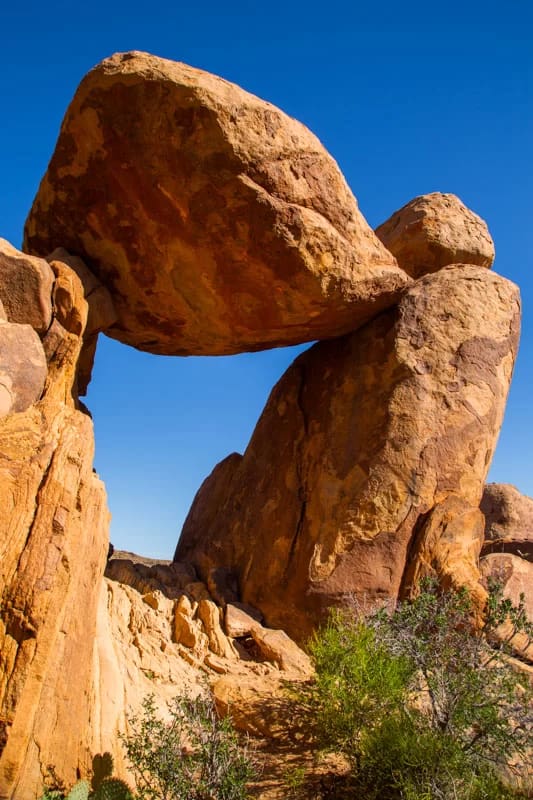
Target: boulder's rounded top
[435, 230]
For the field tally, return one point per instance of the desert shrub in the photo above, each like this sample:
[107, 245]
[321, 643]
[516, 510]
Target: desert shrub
[191, 755]
[419, 702]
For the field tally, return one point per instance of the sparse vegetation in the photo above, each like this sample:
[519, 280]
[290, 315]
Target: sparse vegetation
[192, 755]
[420, 704]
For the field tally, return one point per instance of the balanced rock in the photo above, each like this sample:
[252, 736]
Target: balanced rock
[218, 223]
[360, 442]
[435, 230]
[25, 288]
[508, 521]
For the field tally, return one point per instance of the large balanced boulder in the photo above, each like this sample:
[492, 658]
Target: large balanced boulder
[218, 223]
[350, 474]
[508, 520]
[435, 230]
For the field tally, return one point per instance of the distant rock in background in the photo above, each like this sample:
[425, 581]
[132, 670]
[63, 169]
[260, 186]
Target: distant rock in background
[435, 230]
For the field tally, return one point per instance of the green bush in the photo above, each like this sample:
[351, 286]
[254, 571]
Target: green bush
[419, 703]
[191, 755]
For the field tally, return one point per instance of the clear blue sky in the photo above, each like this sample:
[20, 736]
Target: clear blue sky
[409, 97]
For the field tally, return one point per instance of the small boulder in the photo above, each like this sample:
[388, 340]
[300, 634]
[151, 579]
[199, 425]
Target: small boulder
[278, 648]
[238, 622]
[25, 288]
[508, 521]
[435, 230]
[23, 368]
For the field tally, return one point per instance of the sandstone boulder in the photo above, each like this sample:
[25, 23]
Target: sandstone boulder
[435, 230]
[25, 288]
[218, 223]
[23, 368]
[515, 576]
[508, 521]
[360, 441]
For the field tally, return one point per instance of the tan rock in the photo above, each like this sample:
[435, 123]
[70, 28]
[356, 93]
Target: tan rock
[359, 441]
[515, 576]
[435, 230]
[25, 288]
[188, 632]
[101, 312]
[508, 521]
[218, 223]
[237, 622]
[277, 647]
[219, 644]
[257, 704]
[23, 367]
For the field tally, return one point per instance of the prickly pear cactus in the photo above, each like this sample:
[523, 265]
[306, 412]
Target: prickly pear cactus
[80, 791]
[113, 789]
[102, 768]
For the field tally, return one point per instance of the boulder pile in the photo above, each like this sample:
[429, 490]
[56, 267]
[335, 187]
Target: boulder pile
[182, 215]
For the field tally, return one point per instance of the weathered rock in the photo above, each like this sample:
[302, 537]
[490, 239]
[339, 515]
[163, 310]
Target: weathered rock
[219, 644]
[508, 521]
[53, 546]
[218, 223]
[515, 576]
[446, 544]
[277, 647]
[101, 312]
[435, 230]
[25, 288]
[360, 441]
[238, 622]
[23, 368]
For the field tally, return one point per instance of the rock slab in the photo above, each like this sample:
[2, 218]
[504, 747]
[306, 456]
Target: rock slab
[218, 223]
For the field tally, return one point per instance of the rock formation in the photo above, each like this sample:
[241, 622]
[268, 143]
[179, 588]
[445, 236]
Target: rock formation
[218, 223]
[435, 230]
[53, 534]
[363, 444]
[199, 219]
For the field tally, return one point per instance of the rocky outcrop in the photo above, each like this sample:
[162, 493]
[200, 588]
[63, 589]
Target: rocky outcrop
[350, 473]
[143, 647]
[435, 230]
[53, 546]
[218, 223]
[508, 521]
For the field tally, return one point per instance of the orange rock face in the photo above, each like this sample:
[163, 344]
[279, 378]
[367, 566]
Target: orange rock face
[361, 442]
[218, 223]
[53, 546]
[435, 230]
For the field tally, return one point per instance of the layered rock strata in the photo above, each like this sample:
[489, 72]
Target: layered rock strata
[218, 223]
[367, 450]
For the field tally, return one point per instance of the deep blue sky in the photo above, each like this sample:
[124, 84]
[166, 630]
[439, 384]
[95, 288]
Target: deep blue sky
[409, 97]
